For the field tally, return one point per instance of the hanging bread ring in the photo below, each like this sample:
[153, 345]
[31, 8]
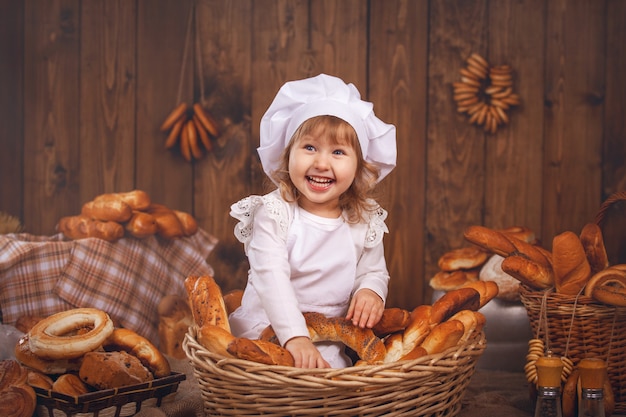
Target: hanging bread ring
[535, 351]
[55, 338]
[485, 93]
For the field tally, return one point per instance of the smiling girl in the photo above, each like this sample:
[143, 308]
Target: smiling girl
[316, 242]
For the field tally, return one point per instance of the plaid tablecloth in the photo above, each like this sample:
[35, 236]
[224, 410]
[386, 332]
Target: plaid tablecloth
[42, 275]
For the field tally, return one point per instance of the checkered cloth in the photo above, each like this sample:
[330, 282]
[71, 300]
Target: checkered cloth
[42, 275]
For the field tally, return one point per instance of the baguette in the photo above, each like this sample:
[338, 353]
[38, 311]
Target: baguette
[393, 320]
[206, 302]
[260, 351]
[571, 267]
[593, 244]
[530, 273]
[443, 336]
[452, 302]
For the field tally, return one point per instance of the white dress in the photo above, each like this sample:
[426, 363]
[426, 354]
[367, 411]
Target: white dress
[301, 262]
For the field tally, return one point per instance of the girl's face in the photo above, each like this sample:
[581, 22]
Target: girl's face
[322, 171]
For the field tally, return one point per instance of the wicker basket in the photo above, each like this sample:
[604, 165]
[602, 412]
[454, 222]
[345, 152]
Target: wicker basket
[579, 327]
[120, 402]
[429, 386]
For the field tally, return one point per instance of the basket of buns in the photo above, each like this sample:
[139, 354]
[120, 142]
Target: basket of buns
[575, 300]
[412, 363]
[80, 364]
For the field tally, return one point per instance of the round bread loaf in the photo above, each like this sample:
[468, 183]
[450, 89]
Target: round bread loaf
[106, 370]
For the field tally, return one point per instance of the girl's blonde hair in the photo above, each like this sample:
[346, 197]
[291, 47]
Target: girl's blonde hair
[355, 202]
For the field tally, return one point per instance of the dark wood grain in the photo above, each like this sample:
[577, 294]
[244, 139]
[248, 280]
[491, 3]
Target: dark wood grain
[455, 149]
[398, 80]
[162, 28]
[51, 100]
[574, 115]
[514, 155]
[11, 107]
[223, 176]
[107, 111]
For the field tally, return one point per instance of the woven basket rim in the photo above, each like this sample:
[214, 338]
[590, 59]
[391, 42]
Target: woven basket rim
[442, 362]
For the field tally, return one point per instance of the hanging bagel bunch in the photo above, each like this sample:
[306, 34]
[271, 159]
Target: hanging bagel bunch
[485, 93]
[191, 128]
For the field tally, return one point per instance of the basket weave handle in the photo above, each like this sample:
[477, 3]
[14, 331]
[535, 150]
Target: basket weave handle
[614, 198]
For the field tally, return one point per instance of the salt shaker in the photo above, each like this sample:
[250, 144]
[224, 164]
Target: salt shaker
[549, 371]
[592, 376]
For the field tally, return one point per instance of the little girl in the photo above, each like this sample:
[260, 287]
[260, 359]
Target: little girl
[316, 242]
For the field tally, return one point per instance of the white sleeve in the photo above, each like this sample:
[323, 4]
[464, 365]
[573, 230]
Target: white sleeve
[372, 270]
[270, 272]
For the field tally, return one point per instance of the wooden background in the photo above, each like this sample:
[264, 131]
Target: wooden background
[85, 85]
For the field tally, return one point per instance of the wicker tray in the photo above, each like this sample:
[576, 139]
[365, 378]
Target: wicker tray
[579, 327]
[429, 386]
[120, 402]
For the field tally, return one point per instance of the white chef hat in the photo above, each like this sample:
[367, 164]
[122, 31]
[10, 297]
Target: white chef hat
[300, 100]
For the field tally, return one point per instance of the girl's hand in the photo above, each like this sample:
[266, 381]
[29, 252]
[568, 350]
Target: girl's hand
[305, 354]
[366, 308]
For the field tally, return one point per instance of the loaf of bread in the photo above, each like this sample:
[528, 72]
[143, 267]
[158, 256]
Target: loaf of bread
[39, 380]
[141, 225]
[487, 291]
[529, 272]
[260, 351]
[206, 301]
[107, 208]
[443, 336]
[136, 199]
[508, 286]
[571, 267]
[17, 398]
[70, 384]
[452, 302]
[448, 281]
[468, 257]
[168, 224]
[106, 370]
[505, 245]
[593, 244]
[174, 320]
[81, 227]
[394, 319]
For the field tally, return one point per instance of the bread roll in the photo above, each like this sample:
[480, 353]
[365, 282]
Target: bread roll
[232, 300]
[452, 302]
[593, 244]
[469, 257]
[488, 290]
[39, 380]
[17, 398]
[168, 225]
[206, 301]
[608, 286]
[136, 199]
[473, 322]
[141, 225]
[443, 336]
[174, 320]
[70, 384]
[188, 222]
[448, 281]
[81, 227]
[106, 370]
[528, 272]
[25, 323]
[393, 320]
[107, 208]
[138, 346]
[571, 267]
[508, 286]
[504, 244]
[260, 351]
[521, 233]
[417, 329]
[215, 339]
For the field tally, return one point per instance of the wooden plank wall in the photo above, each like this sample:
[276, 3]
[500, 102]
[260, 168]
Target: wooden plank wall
[86, 84]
